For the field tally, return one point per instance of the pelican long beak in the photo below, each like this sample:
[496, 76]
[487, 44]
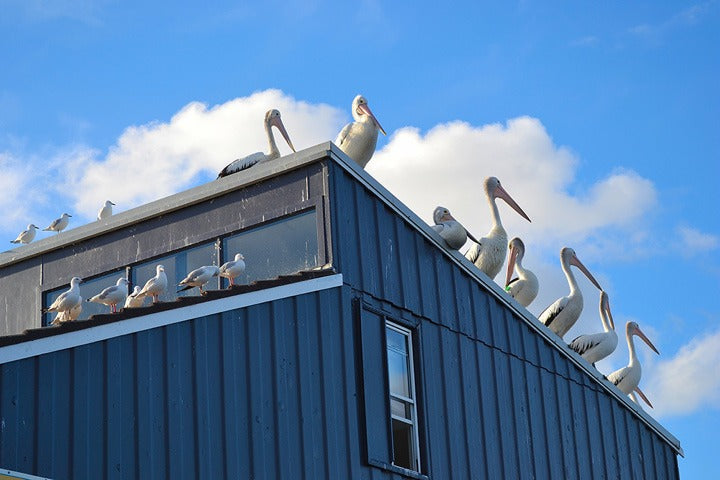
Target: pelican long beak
[500, 192]
[575, 261]
[642, 395]
[277, 122]
[606, 307]
[511, 264]
[366, 110]
[640, 334]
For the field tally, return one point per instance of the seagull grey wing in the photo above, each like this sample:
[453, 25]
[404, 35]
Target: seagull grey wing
[242, 164]
[342, 136]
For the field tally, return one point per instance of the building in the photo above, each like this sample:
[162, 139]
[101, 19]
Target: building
[359, 348]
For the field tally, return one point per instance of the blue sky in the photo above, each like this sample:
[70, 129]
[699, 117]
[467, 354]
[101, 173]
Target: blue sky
[601, 120]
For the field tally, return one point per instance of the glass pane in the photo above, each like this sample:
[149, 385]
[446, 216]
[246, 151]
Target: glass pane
[88, 289]
[399, 408]
[403, 445]
[278, 248]
[398, 373]
[396, 340]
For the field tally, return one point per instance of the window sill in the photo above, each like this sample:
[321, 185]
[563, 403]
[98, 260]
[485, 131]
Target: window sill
[399, 470]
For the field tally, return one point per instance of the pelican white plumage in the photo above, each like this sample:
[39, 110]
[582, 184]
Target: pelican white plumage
[27, 235]
[596, 346]
[523, 288]
[452, 231]
[67, 300]
[113, 295]
[132, 300]
[155, 286]
[489, 253]
[105, 211]
[628, 377]
[233, 268]
[59, 224]
[272, 119]
[68, 315]
[565, 311]
[358, 139]
[198, 278]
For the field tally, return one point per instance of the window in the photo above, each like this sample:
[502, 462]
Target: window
[88, 289]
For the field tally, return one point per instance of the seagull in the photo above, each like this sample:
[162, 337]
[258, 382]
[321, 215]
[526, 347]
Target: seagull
[450, 229]
[67, 300]
[359, 138]
[198, 278]
[155, 286]
[627, 378]
[489, 253]
[594, 347]
[132, 300]
[272, 119]
[233, 268]
[113, 295]
[523, 288]
[59, 224]
[68, 315]
[565, 311]
[105, 211]
[26, 236]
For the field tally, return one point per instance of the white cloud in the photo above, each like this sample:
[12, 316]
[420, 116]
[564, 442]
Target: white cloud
[694, 241]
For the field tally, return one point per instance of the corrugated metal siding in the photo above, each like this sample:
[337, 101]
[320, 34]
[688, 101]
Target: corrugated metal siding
[501, 402]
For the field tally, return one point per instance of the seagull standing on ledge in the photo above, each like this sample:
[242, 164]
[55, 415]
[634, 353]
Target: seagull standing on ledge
[67, 300]
[113, 295]
[105, 211]
[233, 268]
[59, 224]
[359, 138]
[26, 236]
[198, 278]
[155, 286]
[132, 300]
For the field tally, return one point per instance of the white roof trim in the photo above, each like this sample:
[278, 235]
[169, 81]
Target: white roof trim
[63, 341]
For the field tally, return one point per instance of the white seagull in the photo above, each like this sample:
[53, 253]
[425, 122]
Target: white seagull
[105, 211]
[489, 253]
[113, 295]
[67, 300]
[523, 288]
[359, 138]
[450, 229]
[565, 311]
[596, 346]
[26, 236]
[132, 300]
[59, 224]
[233, 268]
[68, 315]
[155, 286]
[627, 378]
[198, 278]
[272, 119]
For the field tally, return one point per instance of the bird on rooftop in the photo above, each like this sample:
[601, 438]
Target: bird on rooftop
[68, 315]
[233, 268]
[105, 211]
[155, 286]
[26, 236]
[523, 288]
[198, 278]
[132, 300]
[59, 224]
[67, 300]
[565, 311]
[113, 295]
[359, 138]
[450, 229]
[489, 253]
[627, 378]
[272, 119]
[596, 346]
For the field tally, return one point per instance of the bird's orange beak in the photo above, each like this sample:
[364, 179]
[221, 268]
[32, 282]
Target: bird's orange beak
[277, 122]
[364, 109]
[500, 192]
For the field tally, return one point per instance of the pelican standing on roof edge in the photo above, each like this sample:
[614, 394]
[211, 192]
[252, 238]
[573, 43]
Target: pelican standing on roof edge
[489, 253]
[359, 138]
[596, 346]
[523, 288]
[627, 378]
[272, 119]
[452, 231]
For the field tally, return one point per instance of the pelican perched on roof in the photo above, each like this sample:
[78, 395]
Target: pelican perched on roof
[359, 138]
[59, 224]
[489, 253]
[523, 288]
[155, 286]
[105, 211]
[596, 346]
[113, 295]
[627, 378]
[67, 300]
[565, 311]
[26, 236]
[272, 119]
[199, 277]
[233, 268]
[450, 229]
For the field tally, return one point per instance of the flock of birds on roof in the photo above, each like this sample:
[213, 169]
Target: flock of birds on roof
[358, 141]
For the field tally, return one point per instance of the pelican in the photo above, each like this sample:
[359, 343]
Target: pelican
[489, 253]
[68, 315]
[272, 119]
[627, 378]
[563, 314]
[233, 268]
[642, 395]
[67, 300]
[132, 300]
[524, 288]
[450, 229]
[113, 295]
[59, 224]
[596, 346]
[105, 211]
[198, 278]
[359, 138]
[155, 286]
[26, 236]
